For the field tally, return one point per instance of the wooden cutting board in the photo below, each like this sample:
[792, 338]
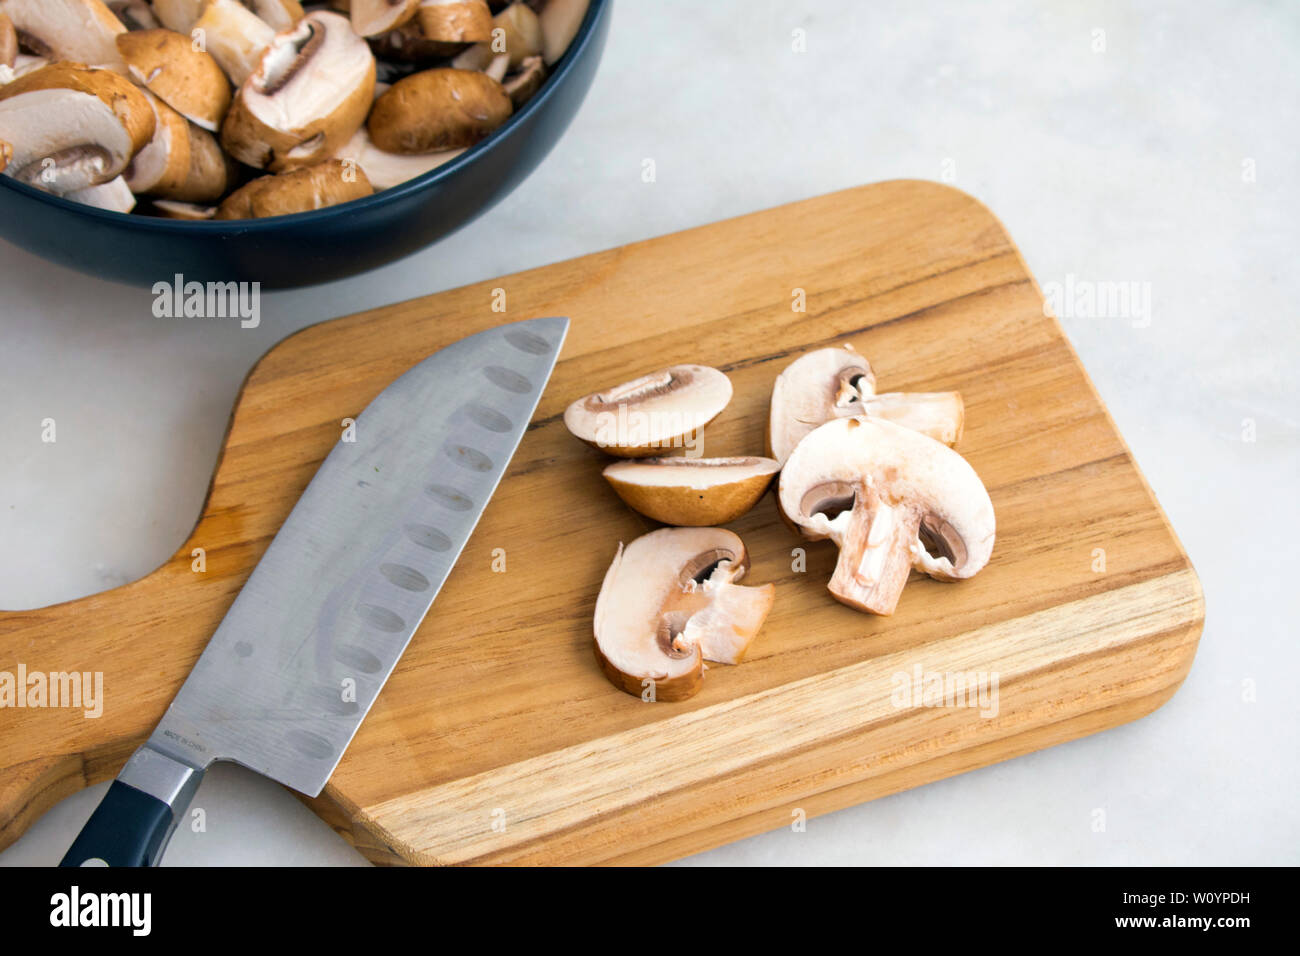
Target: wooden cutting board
[497, 739]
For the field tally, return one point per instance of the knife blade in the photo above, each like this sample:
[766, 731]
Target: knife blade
[295, 665]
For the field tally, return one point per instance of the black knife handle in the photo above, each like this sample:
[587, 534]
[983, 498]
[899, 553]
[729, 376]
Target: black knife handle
[136, 818]
[128, 828]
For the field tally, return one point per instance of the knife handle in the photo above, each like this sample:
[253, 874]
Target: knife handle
[136, 818]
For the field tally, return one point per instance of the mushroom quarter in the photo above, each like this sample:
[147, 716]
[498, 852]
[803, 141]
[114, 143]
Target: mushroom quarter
[691, 492]
[891, 499]
[651, 414]
[668, 603]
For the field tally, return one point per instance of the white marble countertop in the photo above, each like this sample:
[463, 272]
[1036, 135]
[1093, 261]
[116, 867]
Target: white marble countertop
[1153, 143]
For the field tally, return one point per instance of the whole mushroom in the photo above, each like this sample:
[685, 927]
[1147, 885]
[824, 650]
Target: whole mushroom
[891, 499]
[436, 110]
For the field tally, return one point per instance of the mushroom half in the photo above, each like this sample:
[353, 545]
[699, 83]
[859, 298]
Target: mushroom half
[839, 383]
[310, 92]
[648, 415]
[669, 602]
[82, 31]
[303, 189]
[691, 491]
[891, 499]
[188, 80]
[437, 110]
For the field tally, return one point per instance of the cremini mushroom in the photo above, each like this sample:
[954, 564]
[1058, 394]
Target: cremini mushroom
[560, 20]
[839, 383]
[691, 491]
[182, 161]
[436, 110]
[406, 44]
[8, 41]
[668, 603]
[81, 31]
[299, 190]
[234, 35]
[188, 80]
[455, 21]
[649, 415]
[373, 17]
[114, 195]
[385, 170]
[519, 37]
[891, 499]
[72, 127]
[134, 14]
[310, 92]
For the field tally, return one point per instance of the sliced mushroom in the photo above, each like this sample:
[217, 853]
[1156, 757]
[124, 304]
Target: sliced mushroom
[520, 37]
[81, 31]
[235, 36]
[669, 602]
[692, 492]
[436, 110]
[114, 195]
[838, 383]
[188, 80]
[406, 44]
[373, 17]
[278, 14]
[178, 15]
[455, 21]
[648, 415]
[72, 127]
[385, 170]
[891, 499]
[529, 79]
[299, 190]
[134, 14]
[311, 91]
[182, 161]
[560, 20]
[8, 41]
[191, 212]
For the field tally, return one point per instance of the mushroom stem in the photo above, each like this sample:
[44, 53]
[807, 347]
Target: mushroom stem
[875, 553]
[941, 415]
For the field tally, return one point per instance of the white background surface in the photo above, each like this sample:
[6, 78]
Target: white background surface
[1122, 165]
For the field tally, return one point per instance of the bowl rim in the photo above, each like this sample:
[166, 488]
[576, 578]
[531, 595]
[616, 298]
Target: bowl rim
[595, 10]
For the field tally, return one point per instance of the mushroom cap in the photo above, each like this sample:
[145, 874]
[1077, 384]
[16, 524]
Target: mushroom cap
[188, 80]
[82, 31]
[669, 602]
[813, 389]
[128, 103]
[691, 491]
[310, 92]
[846, 459]
[299, 190]
[406, 44]
[438, 109]
[455, 21]
[643, 417]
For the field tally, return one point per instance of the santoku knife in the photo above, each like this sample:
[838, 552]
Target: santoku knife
[290, 673]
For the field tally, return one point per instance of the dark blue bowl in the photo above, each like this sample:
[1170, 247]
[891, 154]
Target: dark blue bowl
[312, 247]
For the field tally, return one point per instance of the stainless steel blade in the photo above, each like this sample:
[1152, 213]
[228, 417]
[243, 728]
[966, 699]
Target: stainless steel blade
[295, 665]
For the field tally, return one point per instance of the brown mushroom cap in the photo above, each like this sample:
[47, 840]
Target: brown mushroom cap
[438, 109]
[188, 80]
[406, 44]
[299, 190]
[668, 603]
[455, 21]
[648, 415]
[310, 92]
[692, 492]
[891, 499]
[81, 31]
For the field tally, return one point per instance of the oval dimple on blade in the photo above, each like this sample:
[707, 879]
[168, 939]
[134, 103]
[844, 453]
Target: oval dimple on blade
[404, 576]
